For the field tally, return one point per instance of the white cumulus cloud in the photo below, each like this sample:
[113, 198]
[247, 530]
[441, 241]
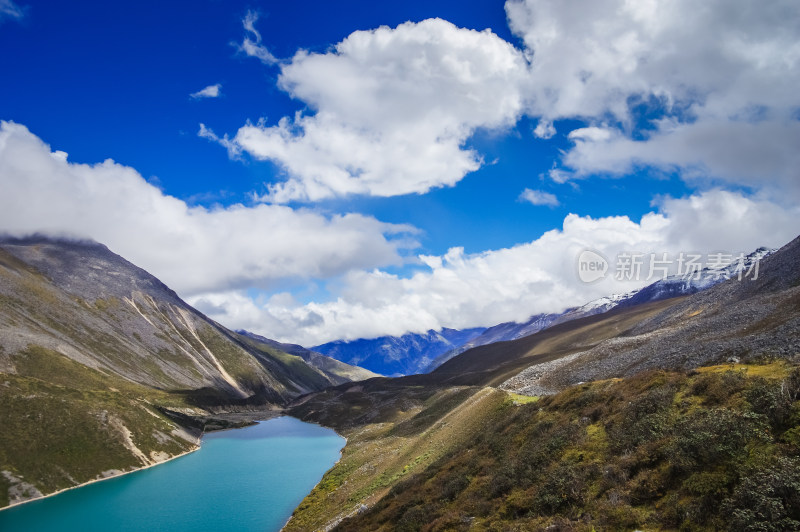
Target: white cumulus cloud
[390, 111]
[762, 155]
[590, 57]
[192, 249]
[466, 290]
[721, 76]
[544, 129]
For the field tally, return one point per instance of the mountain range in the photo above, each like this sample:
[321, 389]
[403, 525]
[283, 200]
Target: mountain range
[398, 355]
[673, 407]
[100, 359]
[414, 353]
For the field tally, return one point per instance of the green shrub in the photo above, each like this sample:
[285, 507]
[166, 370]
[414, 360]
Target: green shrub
[772, 400]
[415, 517]
[517, 504]
[454, 486]
[716, 388]
[564, 488]
[768, 498]
[713, 437]
[643, 419]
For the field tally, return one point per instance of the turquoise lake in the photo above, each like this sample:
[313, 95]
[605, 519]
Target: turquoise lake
[244, 479]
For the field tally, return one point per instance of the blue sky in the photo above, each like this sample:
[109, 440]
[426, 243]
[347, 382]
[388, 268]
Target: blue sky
[443, 170]
[111, 80]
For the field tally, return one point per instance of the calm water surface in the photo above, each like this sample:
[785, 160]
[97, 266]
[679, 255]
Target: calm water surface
[243, 479]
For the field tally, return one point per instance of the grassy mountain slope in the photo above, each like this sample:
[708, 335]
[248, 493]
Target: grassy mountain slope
[707, 449]
[673, 444]
[65, 424]
[104, 369]
[711, 450]
[393, 432]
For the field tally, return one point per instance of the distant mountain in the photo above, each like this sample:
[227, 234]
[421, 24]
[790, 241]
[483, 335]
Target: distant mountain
[498, 333]
[677, 285]
[393, 355]
[669, 287]
[104, 369]
[337, 371]
[508, 331]
[421, 353]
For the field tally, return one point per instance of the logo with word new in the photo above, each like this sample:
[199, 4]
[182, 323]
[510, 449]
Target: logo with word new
[592, 266]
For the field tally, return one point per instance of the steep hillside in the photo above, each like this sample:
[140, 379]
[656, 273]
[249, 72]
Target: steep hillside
[393, 431]
[674, 431]
[710, 450]
[394, 356]
[104, 369]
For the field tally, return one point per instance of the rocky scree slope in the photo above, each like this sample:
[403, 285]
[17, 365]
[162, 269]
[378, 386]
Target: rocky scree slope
[736, 320]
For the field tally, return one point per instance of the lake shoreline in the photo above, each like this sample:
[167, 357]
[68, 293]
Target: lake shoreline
[252, 417]
[96, 480]
[286, 429]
